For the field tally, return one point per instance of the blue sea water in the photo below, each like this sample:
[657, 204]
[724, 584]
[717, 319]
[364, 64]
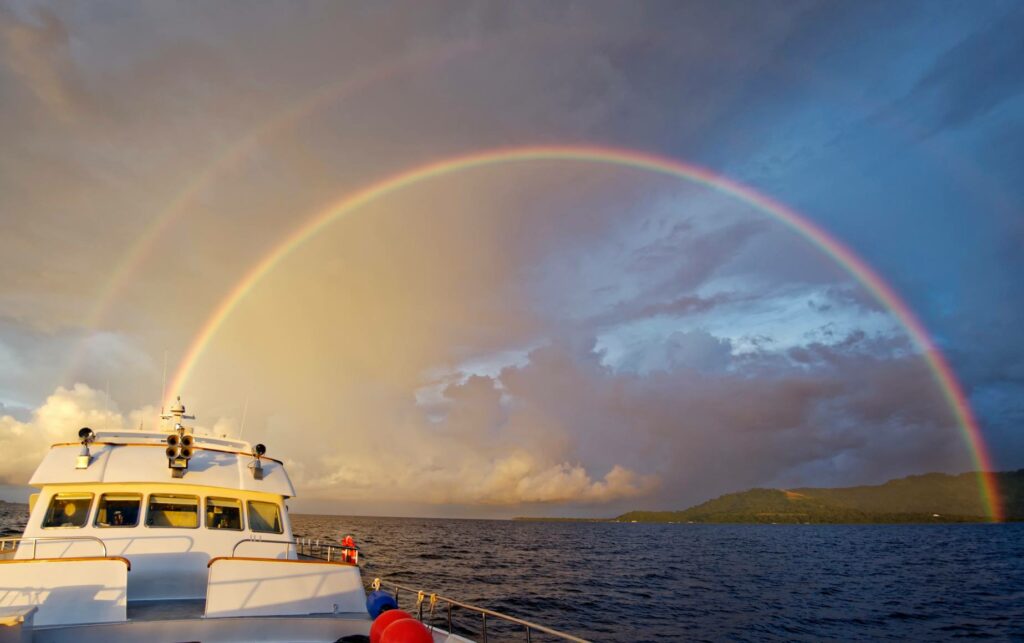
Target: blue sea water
[647, 582]
[650, 582]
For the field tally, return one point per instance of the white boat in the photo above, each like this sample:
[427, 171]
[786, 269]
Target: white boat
[172, 535]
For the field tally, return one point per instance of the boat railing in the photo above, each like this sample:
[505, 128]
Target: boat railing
[15, 542]
[313, 548]
[326, 550]
[430, 601]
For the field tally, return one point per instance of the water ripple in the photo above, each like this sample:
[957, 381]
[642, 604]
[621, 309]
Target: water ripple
[638, 582]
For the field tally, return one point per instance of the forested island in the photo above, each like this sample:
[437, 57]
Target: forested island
[928, 498]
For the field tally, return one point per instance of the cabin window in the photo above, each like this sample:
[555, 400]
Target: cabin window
[119, 510]
[68, 510]
[173, 511]
[223, 513]
[265, 517]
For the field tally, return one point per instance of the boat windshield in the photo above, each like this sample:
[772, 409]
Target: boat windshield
[119, 510]
[173, 511]
[68, 510]
[223, 513]
[265, 517]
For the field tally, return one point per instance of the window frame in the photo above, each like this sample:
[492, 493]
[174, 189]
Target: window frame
[241, 513]
[280, 517]
[81, 495]
[143, 504]
[149, 500]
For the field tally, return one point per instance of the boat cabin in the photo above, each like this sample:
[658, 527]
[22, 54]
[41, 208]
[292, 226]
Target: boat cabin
[137, 518]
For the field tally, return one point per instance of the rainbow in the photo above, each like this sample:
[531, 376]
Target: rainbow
[854, 265]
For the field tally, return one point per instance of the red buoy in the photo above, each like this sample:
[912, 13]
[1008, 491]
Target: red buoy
[381, 623]
[407, 630]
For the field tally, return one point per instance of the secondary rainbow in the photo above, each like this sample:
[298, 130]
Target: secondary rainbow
[854, 265]
[236, 154]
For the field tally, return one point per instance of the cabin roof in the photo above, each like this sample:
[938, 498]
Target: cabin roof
[138, 457]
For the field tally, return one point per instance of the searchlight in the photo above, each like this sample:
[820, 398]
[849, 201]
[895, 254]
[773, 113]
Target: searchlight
[85, 436]
[256, 466]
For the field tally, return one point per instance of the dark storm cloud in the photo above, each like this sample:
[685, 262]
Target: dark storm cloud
[904, 144]
[713, 432]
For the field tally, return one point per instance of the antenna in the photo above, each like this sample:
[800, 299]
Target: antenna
[163, 385]
[245, 410]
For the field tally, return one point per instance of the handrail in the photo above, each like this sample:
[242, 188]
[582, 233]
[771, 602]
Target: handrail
[69, 559]
[289, 561]
[35, 541]
[260, 540]
[483, 611]
[161, 445]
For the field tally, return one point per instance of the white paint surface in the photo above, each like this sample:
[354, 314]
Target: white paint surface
[239, 587]
[67, 591]
[142, 460]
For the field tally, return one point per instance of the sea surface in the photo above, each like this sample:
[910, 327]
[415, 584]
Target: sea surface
[651, 582]
[672, 582]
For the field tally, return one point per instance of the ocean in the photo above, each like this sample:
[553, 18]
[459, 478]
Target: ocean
[665, 582]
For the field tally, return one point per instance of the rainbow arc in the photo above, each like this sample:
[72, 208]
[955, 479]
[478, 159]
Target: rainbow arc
[938, 364]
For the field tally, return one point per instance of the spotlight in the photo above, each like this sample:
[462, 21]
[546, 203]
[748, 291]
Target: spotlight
[85, 436]
[256, 465]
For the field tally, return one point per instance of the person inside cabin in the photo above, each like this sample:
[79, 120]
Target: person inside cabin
[118, 518]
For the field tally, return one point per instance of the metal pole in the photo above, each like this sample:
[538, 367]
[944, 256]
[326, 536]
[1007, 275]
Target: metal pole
[485, 627]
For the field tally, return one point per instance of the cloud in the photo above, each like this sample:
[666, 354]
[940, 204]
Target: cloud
[33, 362]
[558, 334]
[428, 469]
[24, 443]
[510, 479]
[850, 416]
[485, 449]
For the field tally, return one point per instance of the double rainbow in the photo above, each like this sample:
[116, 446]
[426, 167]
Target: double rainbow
[854, 265]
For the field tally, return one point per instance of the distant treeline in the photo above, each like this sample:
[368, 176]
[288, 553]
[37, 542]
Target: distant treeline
[932, 497]
[928, 498]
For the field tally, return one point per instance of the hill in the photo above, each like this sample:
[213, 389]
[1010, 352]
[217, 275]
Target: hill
[932, 497]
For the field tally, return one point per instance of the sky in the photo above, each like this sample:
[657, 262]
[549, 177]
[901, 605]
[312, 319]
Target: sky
[547, 337]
